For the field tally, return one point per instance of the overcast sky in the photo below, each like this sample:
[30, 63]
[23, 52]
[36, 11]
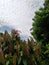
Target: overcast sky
[18, 14]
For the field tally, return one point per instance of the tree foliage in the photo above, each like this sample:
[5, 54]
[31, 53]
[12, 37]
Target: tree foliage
[40, 31]
[41, 24]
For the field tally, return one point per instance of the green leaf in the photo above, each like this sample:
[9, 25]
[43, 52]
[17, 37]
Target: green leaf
[24, 62]
[19, 60]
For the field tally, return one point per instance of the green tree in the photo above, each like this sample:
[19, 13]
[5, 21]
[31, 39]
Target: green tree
[40, 31]
[40, 26]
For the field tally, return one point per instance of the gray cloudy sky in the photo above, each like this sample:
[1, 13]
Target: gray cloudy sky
[18, 14]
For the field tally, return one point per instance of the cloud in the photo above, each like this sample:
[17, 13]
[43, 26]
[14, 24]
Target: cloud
[18, 14]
